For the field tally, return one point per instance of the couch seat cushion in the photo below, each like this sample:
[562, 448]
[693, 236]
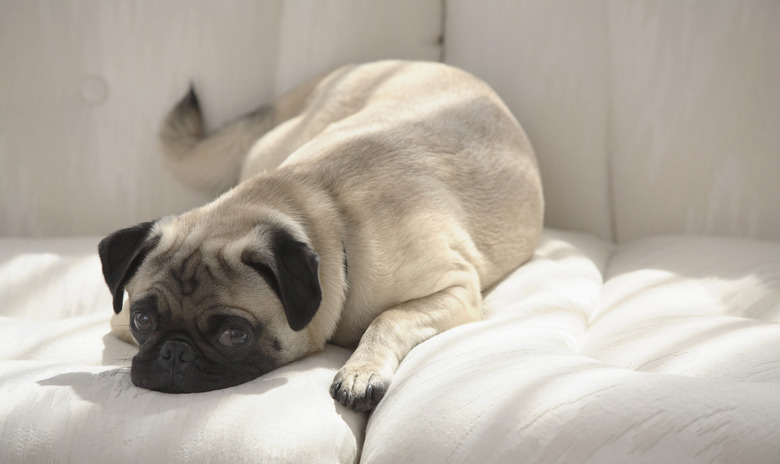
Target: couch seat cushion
[675, 357]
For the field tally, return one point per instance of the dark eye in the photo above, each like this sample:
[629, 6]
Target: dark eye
[232, 338]
[143, 322]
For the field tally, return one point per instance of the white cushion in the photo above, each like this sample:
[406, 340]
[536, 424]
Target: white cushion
[647, 117]
[693, 306]
[51, 278]
[67, 396]
[90, 82]
[549, 62]
[674, 359]
[695, 110]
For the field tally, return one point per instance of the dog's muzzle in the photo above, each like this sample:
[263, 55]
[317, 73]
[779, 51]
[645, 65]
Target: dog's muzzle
[176, 354]
[172, 371]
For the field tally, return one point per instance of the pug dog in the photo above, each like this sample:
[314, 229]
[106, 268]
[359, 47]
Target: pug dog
[369, 208]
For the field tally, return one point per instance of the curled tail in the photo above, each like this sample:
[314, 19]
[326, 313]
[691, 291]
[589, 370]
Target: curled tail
[212, 161]
[209, 161]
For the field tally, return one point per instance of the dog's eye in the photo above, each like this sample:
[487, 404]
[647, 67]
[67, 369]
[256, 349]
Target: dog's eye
[143, 322]
[232, 338]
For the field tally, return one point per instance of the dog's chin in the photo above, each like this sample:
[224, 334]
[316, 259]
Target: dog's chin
[186, 381]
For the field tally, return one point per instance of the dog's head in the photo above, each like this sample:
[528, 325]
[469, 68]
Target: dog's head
[212, 303]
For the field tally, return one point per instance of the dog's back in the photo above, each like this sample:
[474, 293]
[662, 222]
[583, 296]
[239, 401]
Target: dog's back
[384, 117]
[422, 159]
[436, 139]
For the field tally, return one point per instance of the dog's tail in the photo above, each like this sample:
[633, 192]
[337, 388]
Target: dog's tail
[212, 161]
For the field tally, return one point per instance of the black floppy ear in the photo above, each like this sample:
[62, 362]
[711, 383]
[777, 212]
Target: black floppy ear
[294, 276]
[121, 253]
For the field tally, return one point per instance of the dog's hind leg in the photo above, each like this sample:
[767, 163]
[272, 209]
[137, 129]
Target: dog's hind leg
[367, 374]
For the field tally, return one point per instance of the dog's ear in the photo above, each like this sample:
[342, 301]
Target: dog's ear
[121, 253]
[293, 273]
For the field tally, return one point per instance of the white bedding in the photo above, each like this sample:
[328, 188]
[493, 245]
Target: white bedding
[659, 350]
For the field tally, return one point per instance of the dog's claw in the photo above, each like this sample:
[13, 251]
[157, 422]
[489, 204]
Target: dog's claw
[334, 388]
[359, 391]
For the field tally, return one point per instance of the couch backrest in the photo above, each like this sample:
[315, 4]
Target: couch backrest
[85, 84]
[648, 117]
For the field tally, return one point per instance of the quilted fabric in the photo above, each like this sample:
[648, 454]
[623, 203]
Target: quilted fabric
[658, 350]
[675, 358]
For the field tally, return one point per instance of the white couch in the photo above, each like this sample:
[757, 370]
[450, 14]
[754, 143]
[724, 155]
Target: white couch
[644, 330]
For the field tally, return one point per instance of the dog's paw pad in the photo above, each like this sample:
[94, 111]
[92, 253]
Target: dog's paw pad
[359, 390]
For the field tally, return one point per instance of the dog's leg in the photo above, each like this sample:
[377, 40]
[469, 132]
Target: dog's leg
[366, 376]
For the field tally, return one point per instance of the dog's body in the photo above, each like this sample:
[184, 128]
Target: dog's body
[403, 190]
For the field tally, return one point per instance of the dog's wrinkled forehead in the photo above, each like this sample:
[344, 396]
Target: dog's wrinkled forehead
[187, 260]
[193, 256]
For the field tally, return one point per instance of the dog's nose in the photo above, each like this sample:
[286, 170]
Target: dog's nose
[176, 352]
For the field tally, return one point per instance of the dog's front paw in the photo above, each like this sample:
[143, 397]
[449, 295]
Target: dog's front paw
[359, 388]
